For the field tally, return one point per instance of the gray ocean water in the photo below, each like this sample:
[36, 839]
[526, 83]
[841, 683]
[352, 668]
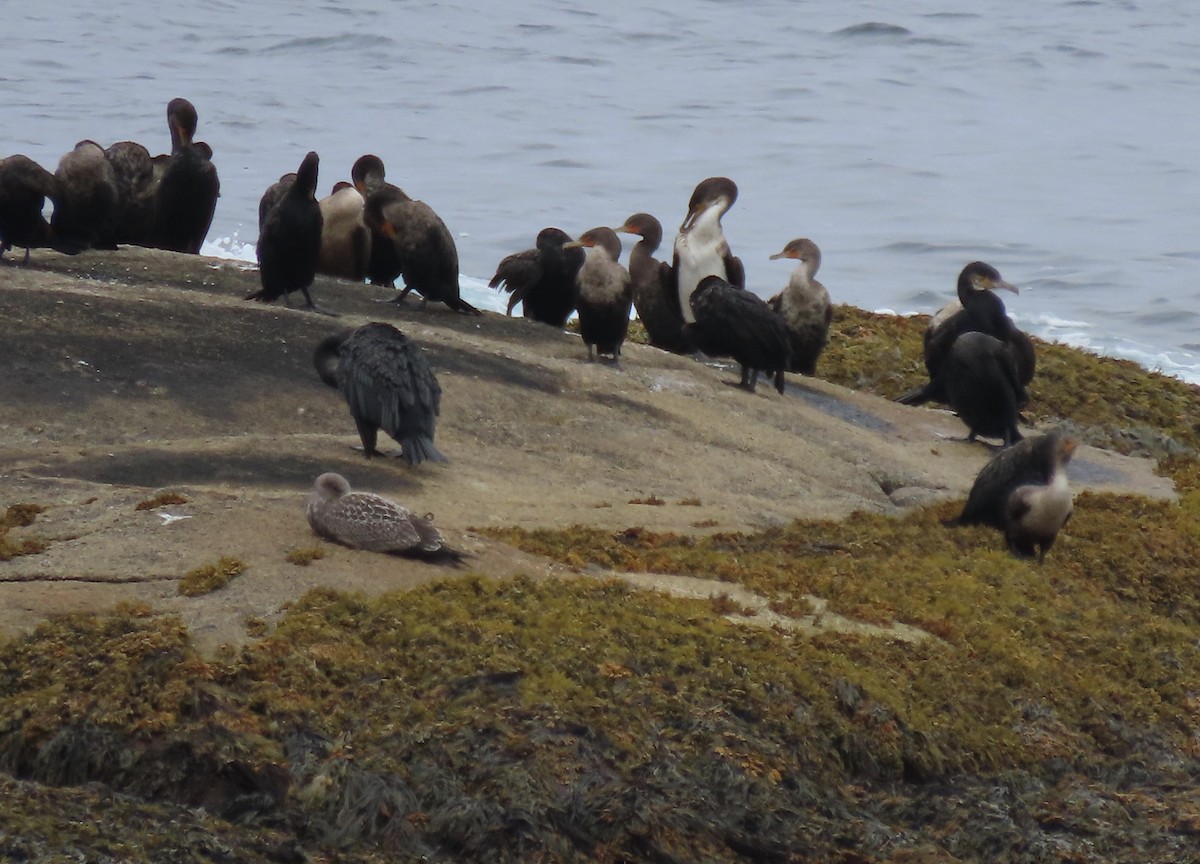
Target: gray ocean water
[1056, 140]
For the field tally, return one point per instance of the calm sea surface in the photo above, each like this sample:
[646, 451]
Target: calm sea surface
[1055, 140]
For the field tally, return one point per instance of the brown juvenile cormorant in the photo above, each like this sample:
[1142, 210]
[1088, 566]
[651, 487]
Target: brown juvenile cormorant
[388, 385]
[24, 188]
[290, 239]
[274, 195]
[733, 322]
[345, 237]
[542, 279]
[981, 311]
[363, 520]
[655, 294]
[804, 305]
[700, 246]
[87, 196]
[408, 239]
[133, 217]
[605, 293]
[188, 186]
[1023, 491]
[981, 384]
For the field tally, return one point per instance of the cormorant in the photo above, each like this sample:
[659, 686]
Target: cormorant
[24, 188]
[188, 186]
[363, 520]
[605, 293]
[981, 311]
[274, 195]
[290, 240]
[424, 251]
[542, 279]
[733, 322]
[804, 305]
[655, 294]
[345, 237]
[700, 246]
[388, 385]
[87, 196]
[981, 384]
[1023, 492]
[132, 219]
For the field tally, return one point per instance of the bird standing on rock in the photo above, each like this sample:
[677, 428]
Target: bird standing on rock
[542, 279]
[804, 305]
[655, 294]
[363, 520]
[24, 188]
[188, 187]
[732, 322]
[700, 246]
[605, 293]
[290, 240]
[388, 385]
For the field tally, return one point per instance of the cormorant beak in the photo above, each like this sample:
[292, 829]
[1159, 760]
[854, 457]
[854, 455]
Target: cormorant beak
[779, 255]
[690, 218]
[1007, 286]
[575, 244]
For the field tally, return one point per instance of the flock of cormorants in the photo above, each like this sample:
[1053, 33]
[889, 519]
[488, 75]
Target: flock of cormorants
[978, 362]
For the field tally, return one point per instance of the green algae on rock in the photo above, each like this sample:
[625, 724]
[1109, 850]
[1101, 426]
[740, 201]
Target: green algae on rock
[209, 577]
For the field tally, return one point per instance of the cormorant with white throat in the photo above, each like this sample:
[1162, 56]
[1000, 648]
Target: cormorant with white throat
[700, 246]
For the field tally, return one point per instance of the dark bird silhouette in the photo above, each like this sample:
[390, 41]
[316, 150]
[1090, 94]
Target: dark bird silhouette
[363, 520]
[733, 322]
[345, 237]
[24, 188]
[1023, 491]
[87, 196]
[274, 195]
[605, 293]
[700, 246]
[542, 279]
[188, 186]
[981, 311]
[290, 240]
[388, 385]
[804, 305]
[655, 294]
[132, 218]
[983, 387]
[408, 239]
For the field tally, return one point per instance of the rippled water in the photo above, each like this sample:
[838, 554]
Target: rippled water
[1056, 140]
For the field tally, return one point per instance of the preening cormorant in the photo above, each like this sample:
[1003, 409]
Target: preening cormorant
[1023, 491]
[132, 219]
[655, 294]
[605, 293]
[981, 384]
[345, 237]
[290, 239]
[700, 246]
[188, 186]
[388, 385]
[804, 305]
[87, 196]
[363, 520]
[408, 239]
[733, 322]
[981, 311]
[24, 188]
[542, 279]
[274, 195]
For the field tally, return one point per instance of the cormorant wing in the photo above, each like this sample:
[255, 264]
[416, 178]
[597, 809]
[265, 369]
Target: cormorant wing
[735, 273]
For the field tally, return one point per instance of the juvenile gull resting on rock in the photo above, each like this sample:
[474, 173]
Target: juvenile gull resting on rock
[363, 520]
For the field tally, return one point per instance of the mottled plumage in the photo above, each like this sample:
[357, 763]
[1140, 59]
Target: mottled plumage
[273, 196]
[1023, 491]
[363, 520]
[387, 384]
[133, 217]
[732, 322]
[605, 294]
[542, 279]
[87, 196]
[804, 305]
[345, 237]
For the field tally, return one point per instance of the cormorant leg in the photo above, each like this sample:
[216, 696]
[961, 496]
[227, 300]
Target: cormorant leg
[314, 307]
[368, 434]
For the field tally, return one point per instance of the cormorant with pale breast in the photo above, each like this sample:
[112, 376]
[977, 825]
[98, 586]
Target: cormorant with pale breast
[542, 279]
[87, 195]
[733, 322]
[290, 240]
[345, 237]
[1023, 491]
[700, 246]
[804, 305]
[133, 217]
[364, 520]
[655, 294]
[388, 385]
[24, 188]
[188, 186]
[424, 251]
[981, 311]
[605, 293]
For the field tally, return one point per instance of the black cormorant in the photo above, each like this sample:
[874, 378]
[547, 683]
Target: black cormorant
[188, 186]
[733, 322]
[655, 294]
[290, 239]
[542, 279]
[24, 188]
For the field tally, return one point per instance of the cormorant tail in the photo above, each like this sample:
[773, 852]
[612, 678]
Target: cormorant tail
[918, 395]
[419, 448]
[461, 305]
